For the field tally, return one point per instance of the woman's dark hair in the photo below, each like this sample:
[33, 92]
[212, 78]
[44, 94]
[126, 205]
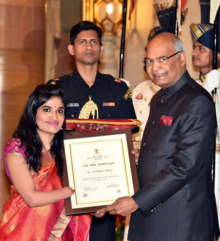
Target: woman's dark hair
[83, 26]
[27, 128]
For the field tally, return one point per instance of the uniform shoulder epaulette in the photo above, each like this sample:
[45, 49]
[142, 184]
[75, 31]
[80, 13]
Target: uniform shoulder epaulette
[53, 81]
[118, 80]
[128, 94]
[108, 77]
[60, 79]
[112, 79]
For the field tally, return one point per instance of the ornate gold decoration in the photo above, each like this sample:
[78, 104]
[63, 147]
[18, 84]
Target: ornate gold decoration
[96, 11]
[128, 94]
[110, 122]
[134, 122]
[89, 108]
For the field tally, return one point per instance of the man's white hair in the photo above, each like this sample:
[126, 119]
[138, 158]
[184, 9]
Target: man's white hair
[178, 45]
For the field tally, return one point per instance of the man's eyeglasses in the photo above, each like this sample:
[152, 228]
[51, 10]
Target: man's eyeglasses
[160, 60]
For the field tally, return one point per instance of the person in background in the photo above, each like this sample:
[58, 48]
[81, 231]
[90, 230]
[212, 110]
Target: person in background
[202, 55]
[33, 163]
[202, 58]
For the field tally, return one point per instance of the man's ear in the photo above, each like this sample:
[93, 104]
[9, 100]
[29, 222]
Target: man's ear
[102, 50]
[182, 58]
[71, 49]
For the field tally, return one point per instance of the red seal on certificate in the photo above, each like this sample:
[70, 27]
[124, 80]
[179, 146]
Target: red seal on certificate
[85, 195]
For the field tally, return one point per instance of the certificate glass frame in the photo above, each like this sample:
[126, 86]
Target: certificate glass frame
[100, 168]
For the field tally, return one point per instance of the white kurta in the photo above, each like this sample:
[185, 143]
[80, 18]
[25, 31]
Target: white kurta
[53, 29]
[141, 97]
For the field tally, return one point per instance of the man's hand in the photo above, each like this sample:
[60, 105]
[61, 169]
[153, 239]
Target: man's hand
[122, 206]
[212, 81]
[136, 153]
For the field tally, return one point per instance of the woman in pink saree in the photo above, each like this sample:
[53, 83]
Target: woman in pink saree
[36, 210]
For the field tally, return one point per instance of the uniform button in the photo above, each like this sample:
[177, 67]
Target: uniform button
[72, 115]
[145, 98]
[140, 111]
[144, 144]
[152, 210]
[153, 123]
[162, 101]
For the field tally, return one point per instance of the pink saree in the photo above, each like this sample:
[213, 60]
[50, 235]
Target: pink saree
[21, 222]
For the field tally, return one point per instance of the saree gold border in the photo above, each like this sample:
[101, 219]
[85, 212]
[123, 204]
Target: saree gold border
[60, 226]
[14, 153]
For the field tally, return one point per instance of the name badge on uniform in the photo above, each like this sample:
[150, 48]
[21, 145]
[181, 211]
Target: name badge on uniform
[73, 105]
[109, 104]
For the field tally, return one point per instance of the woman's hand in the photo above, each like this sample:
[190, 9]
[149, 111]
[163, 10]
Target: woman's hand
[69, 191]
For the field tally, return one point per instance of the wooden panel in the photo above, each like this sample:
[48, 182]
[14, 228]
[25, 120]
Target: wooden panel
[22, 44]
[35, 3]
[20, 60]
[21, 27]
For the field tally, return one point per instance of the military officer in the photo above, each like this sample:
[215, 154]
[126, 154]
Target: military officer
[86, 83]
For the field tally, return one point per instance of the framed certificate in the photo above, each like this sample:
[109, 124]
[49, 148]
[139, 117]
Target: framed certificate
[100, 168]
